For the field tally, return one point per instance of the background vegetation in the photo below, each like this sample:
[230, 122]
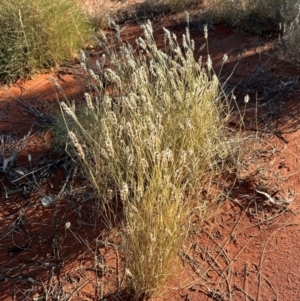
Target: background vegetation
[39, 34]
[262, 16]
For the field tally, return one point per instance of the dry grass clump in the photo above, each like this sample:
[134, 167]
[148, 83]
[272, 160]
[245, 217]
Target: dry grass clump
[254, 15]
[96, 12]
[291, 33]
[151, 129]
[38, 34]
[263, 15]
[150, 9]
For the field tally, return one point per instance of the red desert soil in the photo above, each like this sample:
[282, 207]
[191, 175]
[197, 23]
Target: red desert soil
[249, 251]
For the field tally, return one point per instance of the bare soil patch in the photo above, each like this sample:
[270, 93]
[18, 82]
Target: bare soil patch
[63, 251]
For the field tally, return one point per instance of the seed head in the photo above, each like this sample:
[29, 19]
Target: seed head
[167, 156]
[205, 32]
[88, 100]
[68, 110]
[209, 63]
[67, 225]
[124, 192]
[76, 144]
[144, 165]
[246, 99]
[93, 75]
[110, 194]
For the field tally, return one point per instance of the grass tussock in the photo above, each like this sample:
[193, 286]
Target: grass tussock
[254, 15]
[97, 12]
[38, 34]
[291, 33]
[151, 129]
[261, 16]
[151, 9]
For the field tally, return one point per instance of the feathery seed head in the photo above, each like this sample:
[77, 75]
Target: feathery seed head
[107, 102]
[246, 99]
[129, 129]
[157, 158]
[167, 156]
[150, 124]
[124, 191]
[110, 194]
[178, 173]
[148, 30]
[151, 68]
[83, 66]
[120, 132]
[191, 152]
[67, 225]
[76, 144]
[152, 237]
[112, 77]
[209, 63]
[88, 100]
[93, 75]
[113, 118]
[153, 141]
[183, 156]
[141, 43]
[173, 197]
[144, 165]
[102, 36]
[168, 38]
[104, 126]
[130, 159]
[215, 82]
[68, 110]
[205, 32]
[167, 230]
[193, 45]
[188, 37]
[109, 147]
[177, 96]
[187, 17]
[82, 56]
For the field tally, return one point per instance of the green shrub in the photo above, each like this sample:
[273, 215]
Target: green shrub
[151, 131]
[38, 34]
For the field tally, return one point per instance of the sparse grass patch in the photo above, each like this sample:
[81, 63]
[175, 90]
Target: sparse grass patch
[152, 129]
[291, 33]
[260, 16]
[150, 9]
[96, 12]
[254, 15]
[38, 34]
